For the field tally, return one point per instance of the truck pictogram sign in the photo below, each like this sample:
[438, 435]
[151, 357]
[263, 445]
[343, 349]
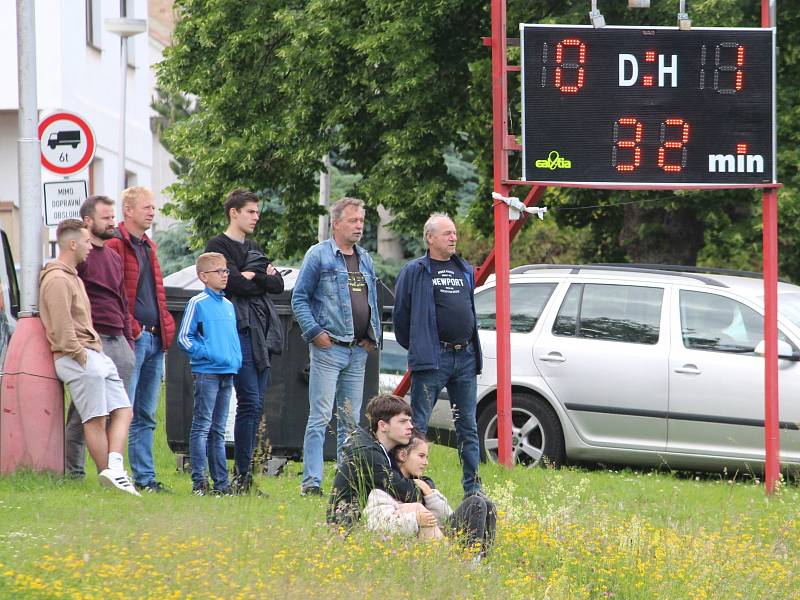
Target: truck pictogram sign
[67, 142]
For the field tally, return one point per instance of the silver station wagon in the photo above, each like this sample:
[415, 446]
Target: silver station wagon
[640, 366]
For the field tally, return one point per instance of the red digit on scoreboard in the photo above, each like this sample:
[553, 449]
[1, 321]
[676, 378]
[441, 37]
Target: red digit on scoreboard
[576, 79]
[732, 62]
[674, 144]
[632, 142]
[627, 138]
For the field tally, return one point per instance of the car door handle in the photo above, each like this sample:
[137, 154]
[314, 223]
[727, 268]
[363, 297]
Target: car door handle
[552, 357]
[689, 370]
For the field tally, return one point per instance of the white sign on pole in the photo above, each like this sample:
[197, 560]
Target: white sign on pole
[67, 143]
[63, 199]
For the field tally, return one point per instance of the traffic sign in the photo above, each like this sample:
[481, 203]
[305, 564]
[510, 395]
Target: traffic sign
[648, 106]
[62, 200]
[67, 143]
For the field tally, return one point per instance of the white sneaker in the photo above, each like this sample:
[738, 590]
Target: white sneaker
[118, 480]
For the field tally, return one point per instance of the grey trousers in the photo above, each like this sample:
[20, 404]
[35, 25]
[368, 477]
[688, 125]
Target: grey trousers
[475, 522]
[119, 351]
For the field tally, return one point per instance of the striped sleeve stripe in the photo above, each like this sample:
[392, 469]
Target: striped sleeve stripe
[188, 318]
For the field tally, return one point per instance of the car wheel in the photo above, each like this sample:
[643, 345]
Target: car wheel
[536, 435]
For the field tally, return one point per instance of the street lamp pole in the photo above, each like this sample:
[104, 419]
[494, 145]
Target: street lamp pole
[123, 27]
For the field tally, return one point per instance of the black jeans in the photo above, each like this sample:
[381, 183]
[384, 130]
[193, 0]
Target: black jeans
[474, 522]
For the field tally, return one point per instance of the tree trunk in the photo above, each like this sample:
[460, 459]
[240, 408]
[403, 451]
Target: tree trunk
[389, 246]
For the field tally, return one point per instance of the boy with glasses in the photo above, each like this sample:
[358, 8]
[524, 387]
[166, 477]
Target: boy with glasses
[208, 335]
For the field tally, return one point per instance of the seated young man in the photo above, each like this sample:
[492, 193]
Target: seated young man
[365, 463]
[473, 523]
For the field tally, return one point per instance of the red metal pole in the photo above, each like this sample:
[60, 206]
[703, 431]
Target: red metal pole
[501, 231]
[770, 251]
[487, 268]
[404, 385]
[771, 418]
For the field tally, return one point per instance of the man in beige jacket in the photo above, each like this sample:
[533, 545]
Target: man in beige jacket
[96, 389]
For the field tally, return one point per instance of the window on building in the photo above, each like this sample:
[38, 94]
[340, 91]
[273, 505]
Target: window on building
[94, 24]
[131, 179]
[96, 179]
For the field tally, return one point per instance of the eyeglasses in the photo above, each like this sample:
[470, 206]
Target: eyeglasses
[219, 272]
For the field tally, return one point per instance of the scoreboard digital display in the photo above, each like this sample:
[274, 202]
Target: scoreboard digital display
[648, 106]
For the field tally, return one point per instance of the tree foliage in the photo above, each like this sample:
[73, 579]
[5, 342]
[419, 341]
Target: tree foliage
[383, 86]
[174, 252]
[388, 88]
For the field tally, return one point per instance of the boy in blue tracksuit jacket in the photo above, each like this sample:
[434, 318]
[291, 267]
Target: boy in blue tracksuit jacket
[208, 335]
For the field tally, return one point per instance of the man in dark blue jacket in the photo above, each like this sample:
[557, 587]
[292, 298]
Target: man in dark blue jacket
[434, 319]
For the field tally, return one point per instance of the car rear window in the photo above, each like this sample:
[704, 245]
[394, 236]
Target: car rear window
[527, 302]
[619, 313]
[719, 323]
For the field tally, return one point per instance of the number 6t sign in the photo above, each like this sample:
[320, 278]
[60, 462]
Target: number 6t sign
[67, 143]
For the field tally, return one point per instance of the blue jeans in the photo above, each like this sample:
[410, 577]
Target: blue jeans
[456, 372]
[337, 375]
[143, 391]
[250, 385]
[212, 396]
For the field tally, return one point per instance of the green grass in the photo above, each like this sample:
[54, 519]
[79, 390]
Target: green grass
[563, 534]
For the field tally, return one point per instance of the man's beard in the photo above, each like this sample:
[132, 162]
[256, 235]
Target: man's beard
[105, 234]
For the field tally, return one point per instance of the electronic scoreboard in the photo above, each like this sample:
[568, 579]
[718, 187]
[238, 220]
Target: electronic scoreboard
[643, 106]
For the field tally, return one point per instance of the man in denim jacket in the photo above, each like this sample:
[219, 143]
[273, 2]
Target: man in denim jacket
[434, 319]
[335, 301]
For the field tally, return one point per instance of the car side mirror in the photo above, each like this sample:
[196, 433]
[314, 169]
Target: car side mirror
[785, 350]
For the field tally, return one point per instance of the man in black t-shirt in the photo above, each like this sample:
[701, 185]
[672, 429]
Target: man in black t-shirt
[251, 279]
[434, 318]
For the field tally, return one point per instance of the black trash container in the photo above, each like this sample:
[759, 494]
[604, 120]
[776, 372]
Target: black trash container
[286, 398]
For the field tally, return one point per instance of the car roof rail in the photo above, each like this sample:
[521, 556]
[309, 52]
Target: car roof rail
[709, 270]
[624, 267]
[527, 268]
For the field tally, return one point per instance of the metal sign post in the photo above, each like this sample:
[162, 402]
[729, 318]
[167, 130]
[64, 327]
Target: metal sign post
[29, 171]
[501, 230]
[769, 201]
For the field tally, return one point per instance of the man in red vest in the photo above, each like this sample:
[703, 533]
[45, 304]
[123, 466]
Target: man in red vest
[153, 328]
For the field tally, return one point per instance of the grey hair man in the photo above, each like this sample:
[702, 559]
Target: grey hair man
[434, 319]
[335, 301]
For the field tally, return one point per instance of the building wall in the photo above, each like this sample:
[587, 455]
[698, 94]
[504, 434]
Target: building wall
[161, 26]
[73, 76]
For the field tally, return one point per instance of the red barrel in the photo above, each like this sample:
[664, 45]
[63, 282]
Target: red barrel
[31, 403]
